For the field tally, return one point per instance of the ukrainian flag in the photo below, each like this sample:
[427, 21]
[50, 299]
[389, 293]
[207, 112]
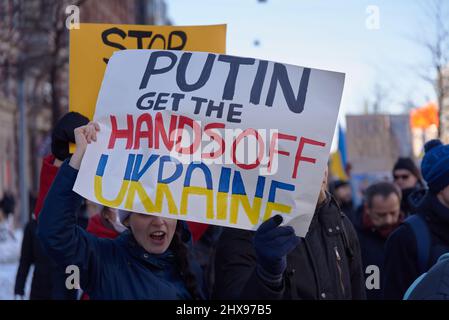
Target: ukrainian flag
[338, 159]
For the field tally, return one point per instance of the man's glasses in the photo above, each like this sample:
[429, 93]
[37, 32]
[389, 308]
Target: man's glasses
[401, 176]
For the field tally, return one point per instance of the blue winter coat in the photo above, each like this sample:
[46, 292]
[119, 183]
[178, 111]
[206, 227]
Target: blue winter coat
[432, 285]
[401, 266]
[108, 269]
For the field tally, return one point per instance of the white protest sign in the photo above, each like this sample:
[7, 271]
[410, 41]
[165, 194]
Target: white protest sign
[211, 138]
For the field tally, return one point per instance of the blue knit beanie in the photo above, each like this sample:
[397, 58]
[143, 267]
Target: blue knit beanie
[435, 165]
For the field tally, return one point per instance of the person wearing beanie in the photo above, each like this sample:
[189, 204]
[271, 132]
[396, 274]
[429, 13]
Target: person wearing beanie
[418, 243]
[407, 177]
[150, 260]
[63, 135]
[342, 192]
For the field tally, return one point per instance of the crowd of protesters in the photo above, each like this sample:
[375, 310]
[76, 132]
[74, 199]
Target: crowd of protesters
[394, 245]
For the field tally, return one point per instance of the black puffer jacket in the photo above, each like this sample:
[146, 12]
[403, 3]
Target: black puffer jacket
[326, 265]
[32, 254]
[401, 254]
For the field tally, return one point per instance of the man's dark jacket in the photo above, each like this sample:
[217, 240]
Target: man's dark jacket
[326, 265]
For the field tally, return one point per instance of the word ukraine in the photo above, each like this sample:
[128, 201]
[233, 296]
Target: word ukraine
[230, 183]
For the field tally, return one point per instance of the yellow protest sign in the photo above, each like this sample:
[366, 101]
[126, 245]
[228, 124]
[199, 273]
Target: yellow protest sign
[93, 44]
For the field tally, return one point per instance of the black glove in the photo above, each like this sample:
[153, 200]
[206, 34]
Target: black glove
[272, 244]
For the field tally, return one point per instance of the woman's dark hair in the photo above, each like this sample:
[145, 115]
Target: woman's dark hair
[180, 248]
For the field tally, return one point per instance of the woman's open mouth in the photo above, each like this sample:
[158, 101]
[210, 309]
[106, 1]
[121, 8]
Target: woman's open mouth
[157, 235]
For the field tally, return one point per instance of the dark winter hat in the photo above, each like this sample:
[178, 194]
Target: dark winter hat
[63, 134]
[334, 185]
[407, 164]
[435, 165]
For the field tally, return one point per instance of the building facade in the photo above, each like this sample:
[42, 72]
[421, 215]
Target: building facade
[35, 42]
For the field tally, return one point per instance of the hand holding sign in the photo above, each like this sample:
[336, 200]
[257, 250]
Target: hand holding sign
[84, 135]
[273, 243]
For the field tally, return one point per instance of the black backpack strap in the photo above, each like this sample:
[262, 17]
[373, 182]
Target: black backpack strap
[423, 239]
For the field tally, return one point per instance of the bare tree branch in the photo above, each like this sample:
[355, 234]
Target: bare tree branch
[436, 43]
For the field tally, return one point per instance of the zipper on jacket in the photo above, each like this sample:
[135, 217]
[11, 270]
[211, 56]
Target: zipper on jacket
[340, 273]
